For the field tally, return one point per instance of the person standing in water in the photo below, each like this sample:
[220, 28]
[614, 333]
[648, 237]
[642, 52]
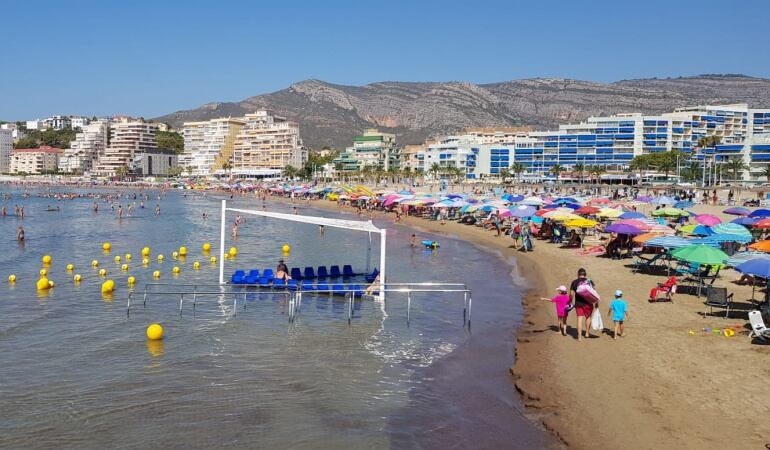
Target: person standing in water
[120, 211]
[157, 210]
[20, 234]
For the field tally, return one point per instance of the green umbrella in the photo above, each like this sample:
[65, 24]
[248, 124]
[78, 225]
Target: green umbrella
[700, 254]
[670, 212]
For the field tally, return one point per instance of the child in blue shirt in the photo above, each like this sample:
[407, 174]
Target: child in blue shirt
[619, 312]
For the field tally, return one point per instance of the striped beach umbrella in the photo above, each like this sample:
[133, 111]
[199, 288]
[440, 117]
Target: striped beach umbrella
[731, 228]
[668, 242]
[742, 257]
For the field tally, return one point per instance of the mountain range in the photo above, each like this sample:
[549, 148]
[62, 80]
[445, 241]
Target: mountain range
[331, 114]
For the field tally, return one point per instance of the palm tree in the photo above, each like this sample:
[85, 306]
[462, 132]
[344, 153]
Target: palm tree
[580, 168]
[504, 173]
[227, 167]
[556, 169]
[121, 172]
[435, 169]
[289, 172]
[598, 171]
[518, 168]
[735, 166]
[766, 173]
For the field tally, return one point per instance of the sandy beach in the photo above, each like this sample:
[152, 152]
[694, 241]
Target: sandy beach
[657, 387]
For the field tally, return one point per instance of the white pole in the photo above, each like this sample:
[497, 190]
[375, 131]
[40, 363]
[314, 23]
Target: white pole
[222, 244]
[382, 264]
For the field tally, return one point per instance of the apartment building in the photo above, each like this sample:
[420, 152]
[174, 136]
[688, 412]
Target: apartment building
[209, 144]
[79, 122]
[35, 161]
[6, 147]
[87, 147]
[127, 138]
[370, 149]
[155, 163]
[267, 142]
[57, 122]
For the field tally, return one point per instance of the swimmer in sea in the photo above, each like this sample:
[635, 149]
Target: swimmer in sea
[96, 207]
[20, 234]
[321, 229]
[120, 211]
[157, 210]
[413, 241]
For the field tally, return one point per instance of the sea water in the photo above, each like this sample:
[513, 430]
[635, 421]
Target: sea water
[76, 371]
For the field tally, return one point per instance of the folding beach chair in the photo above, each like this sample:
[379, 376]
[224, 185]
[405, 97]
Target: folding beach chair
[668, 289]
[717, 297]
[758, 328]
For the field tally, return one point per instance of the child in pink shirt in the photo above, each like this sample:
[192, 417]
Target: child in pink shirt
[561, 301]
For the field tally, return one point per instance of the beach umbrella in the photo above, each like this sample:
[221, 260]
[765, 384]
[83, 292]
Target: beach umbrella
[466, 209]
[759, 267]
[737, 211]
[580, 223]
[699, 230]
[742, 257]
[700, 254]
[761, 224]
[760, 246]
[632, 215]
[523, 211]
[731, 228]
[642, 238]
[533, 201]
[609, 213]
[513, 198]
[535, 219]
[668, 242]
[708, 219]
[719, 238]
[587, 210]
[744, 221]
[599, 201]
[564, 200]
[670, 212]
[562, 217]
[683, 204]
[760, 213]
[623, 228]
[644, 199]
[663, 200]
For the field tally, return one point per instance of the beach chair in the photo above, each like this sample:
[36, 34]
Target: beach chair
[717, 297]
[668, 289]
[238, 277]
[307, 285]
[296, 273]
[372, 276]
[334, 272]
[309, 273]
[758, 328]
[268, 273]
[322, 273]
[347, 271]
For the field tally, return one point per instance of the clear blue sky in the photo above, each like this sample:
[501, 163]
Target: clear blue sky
[148, 58]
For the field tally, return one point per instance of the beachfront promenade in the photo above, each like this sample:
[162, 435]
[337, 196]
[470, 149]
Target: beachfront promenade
[672, 382]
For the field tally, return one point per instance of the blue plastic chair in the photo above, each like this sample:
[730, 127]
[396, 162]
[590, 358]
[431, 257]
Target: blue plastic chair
[323, 286]
[238, 277]
[296, 273]
[334, 272]
[357, 290]
[292, 285]
[264, 282]
[309, 273]
[268, 273]
[278, 283]
[338, 289]
[308, 286]
[372, 276]
[322, 273]
[347, 271]
[252, 277]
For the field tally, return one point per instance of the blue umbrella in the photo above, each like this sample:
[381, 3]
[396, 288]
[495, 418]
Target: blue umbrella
[702, 230]
[757, 267]
[742, 257]
[719, 238]
[668, 242]
[744, 221]
[731, 228]
[516, 198]
[565, 200]
[632, 215]
[523, 211]
[663, 200]
[760, 213]
[683, 204]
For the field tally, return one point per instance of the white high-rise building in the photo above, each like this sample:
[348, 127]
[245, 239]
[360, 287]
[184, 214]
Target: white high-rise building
[208, 145]
[6, 147]
[35, 124]
[79, 122]
[127, 137]
[267, 141]
[85, 150]
[58, 122]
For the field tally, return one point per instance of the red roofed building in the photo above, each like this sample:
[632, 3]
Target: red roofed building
[44, 159]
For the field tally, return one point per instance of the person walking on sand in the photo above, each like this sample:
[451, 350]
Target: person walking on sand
[561, 301]
[582, 303]
[619, 312]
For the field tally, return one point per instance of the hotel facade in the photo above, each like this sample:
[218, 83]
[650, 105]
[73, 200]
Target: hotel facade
[371, 149]
[35, 161]
[89, 145]
[266, 144]
[127, 138]
[209, 144]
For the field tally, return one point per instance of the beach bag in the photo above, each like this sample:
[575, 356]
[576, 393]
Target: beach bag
[587, 292]
[596, 320]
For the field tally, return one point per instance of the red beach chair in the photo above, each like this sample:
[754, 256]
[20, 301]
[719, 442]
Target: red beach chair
[668, 289]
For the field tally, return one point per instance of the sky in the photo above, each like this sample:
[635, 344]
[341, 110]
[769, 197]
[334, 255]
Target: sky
[149, 58]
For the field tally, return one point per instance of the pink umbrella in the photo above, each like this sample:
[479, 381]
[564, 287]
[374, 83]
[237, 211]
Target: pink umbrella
[708, 219]
[635, 223]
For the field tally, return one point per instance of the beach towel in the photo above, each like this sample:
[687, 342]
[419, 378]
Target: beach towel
[596, 320]
[587, 292]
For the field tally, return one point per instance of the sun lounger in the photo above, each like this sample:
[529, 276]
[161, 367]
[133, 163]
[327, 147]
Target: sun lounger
[758, 328]
[334, 272]
[717, 297]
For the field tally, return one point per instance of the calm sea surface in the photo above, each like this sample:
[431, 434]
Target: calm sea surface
[77, 372]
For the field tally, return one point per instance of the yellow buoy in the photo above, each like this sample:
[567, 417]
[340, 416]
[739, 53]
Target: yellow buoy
[124, 267]
[155, 332]
[146, 251]
[77, 278]
[286, 248]
[70, 267]
[106, 246]
[183, 251]
[156, 274]
[117, 260]
[108, 286]
[145, 261]
[47, 259]
[196, 265]
[233, 252]
[160, 258]
[102, 272]
[43, 273]
[11, 278]
[51, 284]
[213, 259]
[174, 255]
[175, 269]
[128, 256]
[206, 247]
[42, 284]
[131, 280]
[94, 263]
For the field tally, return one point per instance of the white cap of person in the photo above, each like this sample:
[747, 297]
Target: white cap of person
[618, 293]
[562, 288]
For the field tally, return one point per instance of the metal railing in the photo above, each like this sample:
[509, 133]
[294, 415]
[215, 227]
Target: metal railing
[294, 296]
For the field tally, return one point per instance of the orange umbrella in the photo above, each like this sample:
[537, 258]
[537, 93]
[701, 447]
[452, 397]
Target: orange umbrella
[642, 238]
[762, 246]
